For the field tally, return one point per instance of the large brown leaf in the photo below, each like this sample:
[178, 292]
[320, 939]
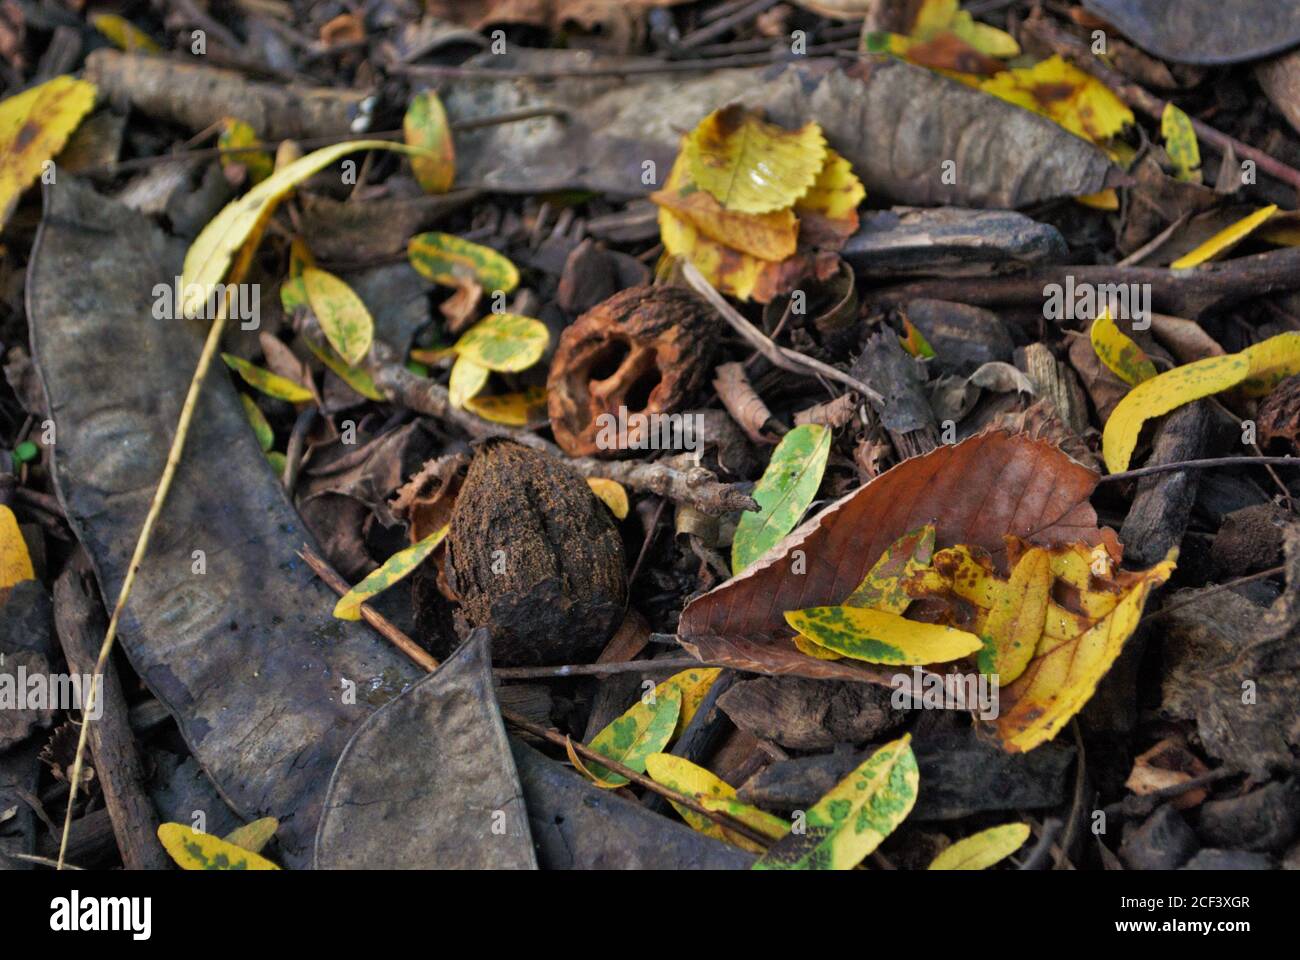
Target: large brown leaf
[974, 492]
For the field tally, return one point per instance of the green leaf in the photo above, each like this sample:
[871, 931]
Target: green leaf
[25, 452]
[271, 384]
[783, 493]
[343, 318]
[445, 259]
[395, 568]
[849, 823]
[644, 729]
[504, 342]
[265, 435]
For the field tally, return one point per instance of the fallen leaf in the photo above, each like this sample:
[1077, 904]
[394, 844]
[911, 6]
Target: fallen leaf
[1225, 239]
[785, 490]
[692, 685]
[611, 493]
[202, 851]
[767, 236]
[446, 259]
[239, 136]
[257, 419]
[981, 850]
[425, 127]
[504, 342]
[847, 824]
[1118, 352]
[879, 637]
[1180, 144]
[354, 377]
[124, 34]
[343, 318]
[828, 212]
[467, 379]
[678, 773]
[1271, 362]
[395, 568]
[511, 409]
[34, 126]
[1062, 92]
[15, 561]
[271, 384]
[254, 836]
[644, 729]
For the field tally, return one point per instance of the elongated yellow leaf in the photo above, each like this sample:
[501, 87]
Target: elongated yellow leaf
[1118, 352]
[1271, 362]
[343, 318]
[751, 166]
[236, 135]
[768, 824]
[34, 126]
[467, 379]
[644, 729]
[425, 126]
[1162, 393]
[504, 342]
[1225, 239]
[210, 254]
[202, 851]
[879, 637]
[254, 836]
[981, 850]
[257, 420]
[395, 568]
[124, 34]
[849, 823]
[354, 377]
[446, 259]
[15, 561]
[692, 685]
[681, 775]
[271, 384]
[611, 493]
[511, 409]
[1180, 143]
[1015, 622]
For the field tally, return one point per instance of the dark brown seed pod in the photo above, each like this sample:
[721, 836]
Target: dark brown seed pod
[649, 349]
[534, 556]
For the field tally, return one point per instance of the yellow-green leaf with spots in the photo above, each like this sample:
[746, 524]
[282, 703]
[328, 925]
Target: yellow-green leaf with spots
[262, 429]
[1225, 239]
[644, 729]
[445, 259]
[1118, 352]
[504, 342]
[678, 773]
[849, 823]
[1271, 362]
[395, 568]
[238, 136]
[271, 384]
[879, 637]
[425, 126]
[785, 490]
[467, 379]
[1162, 393]
[1016, 619]
[1180, 144]
[693, 685]
[343, 318]
[254, 836]
[202, 851]
[981, 850]
[354, 377]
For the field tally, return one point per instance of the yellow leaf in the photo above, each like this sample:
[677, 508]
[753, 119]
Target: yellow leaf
[1162, 393]
[210, 254]
[582, 768]
[202, 851]
[692, 685]
[354, 377]
[751, 166]
[15, 561]
[1066, 95]
[504, 342]
[769, 825]
[254, 836]
[879, 637]
[511, 409]
[1271, 362]
[425, 126]
[831, 203]
[644, 729]
[257, 420]
[610, 492]
[1106, 199]
[981, 850]
[395, 568]
[678, 773]
[271, 384]
[1015, 621]
[768, 236]
[1118, 352]
[124, 34]
[239, 136]
[1180, 143]
[34, 126]
[1225, 239]
[467, 379]
[343, 318]
[447, 259]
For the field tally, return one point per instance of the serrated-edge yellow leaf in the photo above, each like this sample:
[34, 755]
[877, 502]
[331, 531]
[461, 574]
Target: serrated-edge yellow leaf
[395, 568]
[875, 636]
[467, 379]
[15, 561]
[1159, 395]
[504, 342]
[202, 851]
[611, 493]
[342, 315]
[271, 384]
[1121, 355]
[1225, 239]
[982, 850]
[210, 254]
[34, 126]
[751, 166]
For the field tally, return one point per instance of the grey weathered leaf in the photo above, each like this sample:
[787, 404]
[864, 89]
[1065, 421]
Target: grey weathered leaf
[1204, 31]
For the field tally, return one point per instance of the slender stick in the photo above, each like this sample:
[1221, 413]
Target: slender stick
[1217, 588]
[1240, 461]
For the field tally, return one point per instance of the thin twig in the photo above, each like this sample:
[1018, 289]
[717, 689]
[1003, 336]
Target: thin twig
[1204, 464]
[1217, 588]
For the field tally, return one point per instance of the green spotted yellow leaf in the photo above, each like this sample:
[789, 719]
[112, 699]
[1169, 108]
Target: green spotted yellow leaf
[34, 126]
[751, 166]
[15, 561]
[210, 255]
[202, 851]
[395, 568]
[785, 490]
[354, 377]
[982, 850]
[238, 136]
[342, 315]
[1180, 143]
[1271, 362]
[767, 824]
[1063, 93]
[124, 34]
[644, 729]
[511, 409]
[467, 379]
[447, 259]
[1162, 393]
[611, 493]
[425, 127]
[852, 820]
[678, 773]
[1015, 621]
[1225, 239]
[271, 384]
[880, 637]
[257, 419]
[254, 836]
[1118, 352]
[692, 685]
[504, 342]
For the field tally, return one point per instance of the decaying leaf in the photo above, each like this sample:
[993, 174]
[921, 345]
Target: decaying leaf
[271, 384]
[15, 561]
[1077, 101]
[124, 34]
[254, 836]
[34, 125]
[785, 490]
[644, 729]
[467, 379]
[257, 420]
[446, 259]
[511, 409]
[982, 850]
[1180, 144]
[879, 637]
[425, 126]
[343, 318]
[849, 823]
[395, 568]
[1118, 352]
[238, 136]
[202, 851]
